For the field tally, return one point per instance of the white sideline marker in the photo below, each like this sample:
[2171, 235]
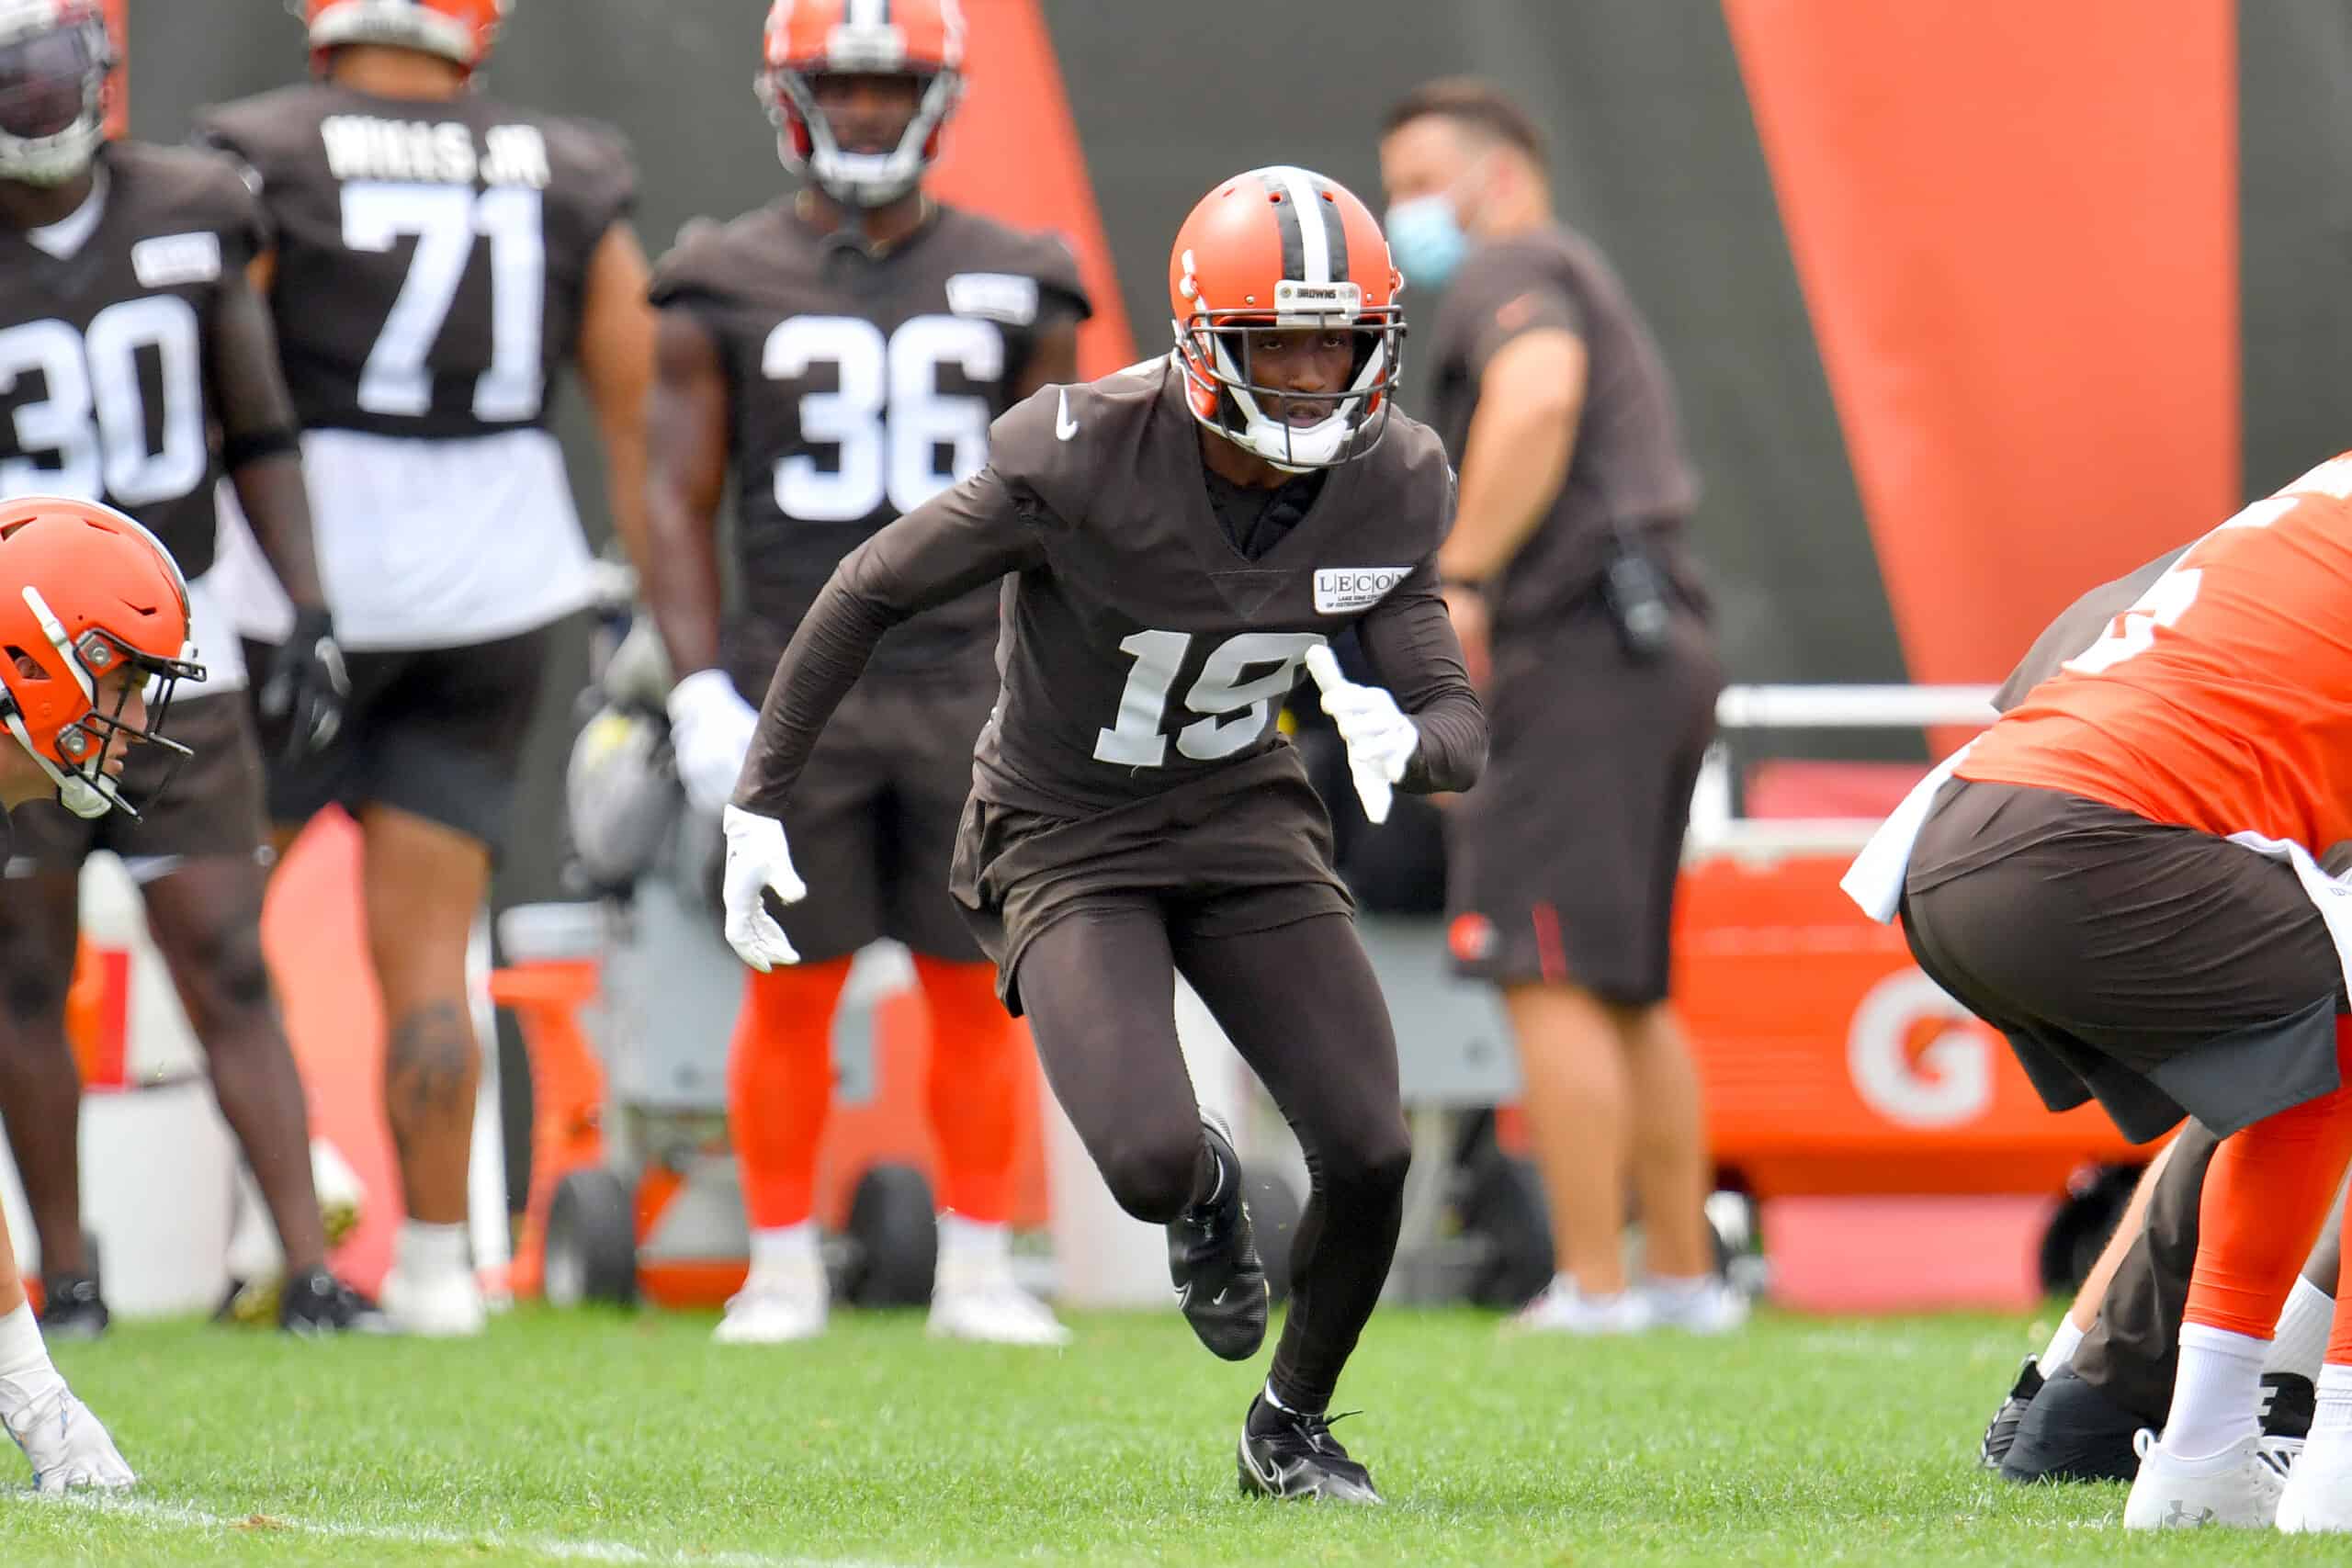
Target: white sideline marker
[555, 1548]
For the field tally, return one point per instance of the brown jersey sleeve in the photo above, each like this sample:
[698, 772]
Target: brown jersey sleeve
[1409, 639]
[954, 542]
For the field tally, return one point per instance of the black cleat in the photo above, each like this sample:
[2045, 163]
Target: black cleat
[72, 1308]
[2073, 1431]
[318, 1304]
[2003, 1432]
[2288, 1401]
[1213, 1258]
[1291, 1456]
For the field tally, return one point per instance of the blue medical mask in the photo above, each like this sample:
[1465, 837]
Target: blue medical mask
[1426, 240]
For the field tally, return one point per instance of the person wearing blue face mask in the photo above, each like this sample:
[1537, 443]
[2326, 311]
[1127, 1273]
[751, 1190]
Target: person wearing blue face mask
[1582, 617]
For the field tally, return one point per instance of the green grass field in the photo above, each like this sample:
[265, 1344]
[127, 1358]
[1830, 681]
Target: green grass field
[604, 1438]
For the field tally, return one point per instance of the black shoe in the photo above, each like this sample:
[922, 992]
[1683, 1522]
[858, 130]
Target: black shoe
[72, 1308]
[2073, 1431]
[1213, 1258]
[1287, 1455]
[2003, 1432]
[317, 1303]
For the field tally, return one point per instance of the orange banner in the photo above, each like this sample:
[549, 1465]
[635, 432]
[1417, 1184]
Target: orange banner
[2016, 227]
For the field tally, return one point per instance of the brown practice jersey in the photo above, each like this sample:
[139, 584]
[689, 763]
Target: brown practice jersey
[1628, 468]
[1141, 651]
[432, 257]
[107, 376]
[860, 386]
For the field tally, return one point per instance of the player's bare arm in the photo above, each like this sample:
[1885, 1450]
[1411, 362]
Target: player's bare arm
[616, 355]
[685, 478]
[1517, 455]
[1053, 356]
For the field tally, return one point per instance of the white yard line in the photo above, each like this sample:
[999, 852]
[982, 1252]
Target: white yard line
[559, 1548]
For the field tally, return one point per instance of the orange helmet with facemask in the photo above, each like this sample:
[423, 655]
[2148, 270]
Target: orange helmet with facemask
[85, 592]
[809, 39]
[1283, 248]
[461, 30]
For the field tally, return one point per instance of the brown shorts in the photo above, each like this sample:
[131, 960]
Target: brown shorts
[872, 820]
[1244, 849]
[210, 804]
[2159, 968]
[1564, 860]
[436, 732]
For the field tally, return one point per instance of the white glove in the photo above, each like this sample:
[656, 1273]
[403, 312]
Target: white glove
[710, 732]
[758, 861]
[1381, 739]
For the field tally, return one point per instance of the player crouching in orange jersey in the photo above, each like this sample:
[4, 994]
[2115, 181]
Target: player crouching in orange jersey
[2121, 875]
[94, 614]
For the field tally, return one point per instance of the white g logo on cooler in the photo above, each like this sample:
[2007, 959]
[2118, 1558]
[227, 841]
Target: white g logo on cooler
[1951, 1080]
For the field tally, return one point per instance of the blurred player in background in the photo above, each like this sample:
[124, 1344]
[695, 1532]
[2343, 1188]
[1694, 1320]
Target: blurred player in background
[439, 257]
[840, 353]
[1176, 541]
[1581, 614]
[2121, 874]
[138, 363]
[95, 615]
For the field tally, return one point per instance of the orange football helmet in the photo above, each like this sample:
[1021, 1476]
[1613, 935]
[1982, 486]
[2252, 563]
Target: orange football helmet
[462, 31]
[1283, 248]
[54, 56]
[83, 591]
[809, 39]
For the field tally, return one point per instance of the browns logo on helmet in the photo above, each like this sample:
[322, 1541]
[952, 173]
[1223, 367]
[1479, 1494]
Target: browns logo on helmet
[83, 591]
[460, 31]
[808, 40]
[1283, 248]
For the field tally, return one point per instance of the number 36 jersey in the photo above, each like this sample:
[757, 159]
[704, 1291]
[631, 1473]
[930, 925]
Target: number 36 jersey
[432, 257]
[2221, 698]
[860, 386]
[106, 332]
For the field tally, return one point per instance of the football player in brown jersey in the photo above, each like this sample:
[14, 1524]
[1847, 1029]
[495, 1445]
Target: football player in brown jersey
[440, 256]
[841, 353]
[139, 366]
[94, 614]
[1175, 543]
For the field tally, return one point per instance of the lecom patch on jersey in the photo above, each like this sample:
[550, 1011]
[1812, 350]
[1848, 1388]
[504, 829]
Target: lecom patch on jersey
[1340, 589]
[1004, 296]
[169, 260]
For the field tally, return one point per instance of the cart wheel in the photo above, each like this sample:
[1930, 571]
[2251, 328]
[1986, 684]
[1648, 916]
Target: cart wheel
[1275, 1211]
[1503, 1204]
[2080, 1228]
[897, 1231]
[591, 1241]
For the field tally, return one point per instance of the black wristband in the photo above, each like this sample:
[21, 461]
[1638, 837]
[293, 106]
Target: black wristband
[236, 451]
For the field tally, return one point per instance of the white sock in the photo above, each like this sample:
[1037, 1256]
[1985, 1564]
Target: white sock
[2301, 1343]
[429, 1250]
[25, 1371]
[2214, 1396]
[788, 1249]
[2334, 1417]
[973, 1243]
[2061, 1348]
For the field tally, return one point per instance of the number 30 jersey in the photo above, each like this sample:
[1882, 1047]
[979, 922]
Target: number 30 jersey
[432, 257]
[105, 333]
[2221, 698]
[860, 386]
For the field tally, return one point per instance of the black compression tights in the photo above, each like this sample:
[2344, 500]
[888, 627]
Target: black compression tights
[1302, 1007]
